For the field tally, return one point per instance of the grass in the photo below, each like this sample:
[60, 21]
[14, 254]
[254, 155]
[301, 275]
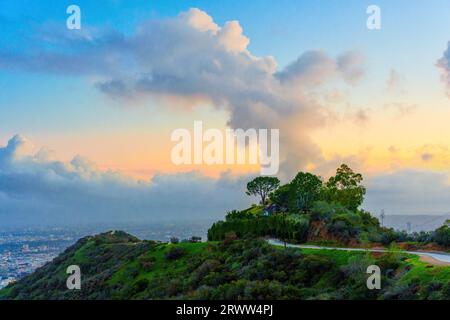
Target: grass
[161, 265]
[340, 256]
[423, 272]
[5, 292]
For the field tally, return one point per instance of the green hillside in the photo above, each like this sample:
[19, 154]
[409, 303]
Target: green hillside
[116, 265]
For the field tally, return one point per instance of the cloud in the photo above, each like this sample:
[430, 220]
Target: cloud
[426, 156]
[409, 192]
[395, 81]
[190, 58]
[362, 116]
[316, 67]
[351, 66]
[36, 189]
[444, 65]
[401, 109]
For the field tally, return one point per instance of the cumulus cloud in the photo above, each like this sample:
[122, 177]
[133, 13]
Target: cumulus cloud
[36, 189]
[444, 65]
[316, 67]
[191, 58]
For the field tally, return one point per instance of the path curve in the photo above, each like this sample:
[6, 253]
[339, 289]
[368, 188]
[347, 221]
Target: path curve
[441, 259]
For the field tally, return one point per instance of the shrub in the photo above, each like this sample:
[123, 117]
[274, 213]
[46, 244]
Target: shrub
[146, 262]
[195, 239]
[175, 253]
[442, 235]
[229, 238]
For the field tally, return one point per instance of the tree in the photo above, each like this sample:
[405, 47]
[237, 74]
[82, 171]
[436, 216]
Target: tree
[442, 234]
[304, 191]
[280, 197]
[262, 186]
[345, 188]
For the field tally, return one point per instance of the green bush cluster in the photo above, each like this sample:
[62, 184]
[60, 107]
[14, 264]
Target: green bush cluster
[294, 227]
[307, 207]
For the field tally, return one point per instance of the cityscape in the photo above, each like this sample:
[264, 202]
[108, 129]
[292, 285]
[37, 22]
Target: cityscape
[23, 250]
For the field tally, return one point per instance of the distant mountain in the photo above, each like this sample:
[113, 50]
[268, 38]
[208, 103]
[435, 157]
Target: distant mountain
[418, 222]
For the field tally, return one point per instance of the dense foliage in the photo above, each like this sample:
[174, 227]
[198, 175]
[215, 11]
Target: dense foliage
[310, 210]
[245, 224]
[117, 266]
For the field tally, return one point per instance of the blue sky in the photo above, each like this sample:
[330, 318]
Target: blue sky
[411, 30]
[389, 120]
[413, 36]
[291, 26]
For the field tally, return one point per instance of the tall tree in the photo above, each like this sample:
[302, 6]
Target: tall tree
[262, 186]
[305, 189]
[345, 188]
[280, 197]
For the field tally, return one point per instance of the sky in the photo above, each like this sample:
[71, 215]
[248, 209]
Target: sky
[86, 115]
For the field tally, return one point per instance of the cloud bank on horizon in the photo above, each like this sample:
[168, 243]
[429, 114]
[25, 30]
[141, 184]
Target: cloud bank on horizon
[36, 189]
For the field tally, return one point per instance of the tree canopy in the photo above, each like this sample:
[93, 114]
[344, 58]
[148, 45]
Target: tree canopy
[305, 189]
[345, 188]
[262, 186]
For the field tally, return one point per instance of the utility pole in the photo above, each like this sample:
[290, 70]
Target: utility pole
[284, 225]
[382, 217]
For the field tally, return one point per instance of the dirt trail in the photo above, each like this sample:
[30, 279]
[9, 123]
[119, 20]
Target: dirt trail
[434, 261]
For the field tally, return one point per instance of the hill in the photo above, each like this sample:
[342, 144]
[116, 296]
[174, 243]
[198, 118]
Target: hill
[116, 265]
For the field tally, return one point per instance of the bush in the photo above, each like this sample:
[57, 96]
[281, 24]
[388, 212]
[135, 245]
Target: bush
[146, 262]
[229, 238]
[175, 253]
[195, 239]
[286, 226]
[442, 235]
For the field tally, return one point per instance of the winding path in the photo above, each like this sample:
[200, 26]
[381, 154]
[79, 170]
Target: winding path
[442, 259]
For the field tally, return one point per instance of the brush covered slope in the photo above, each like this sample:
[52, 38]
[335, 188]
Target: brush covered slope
[116, 265]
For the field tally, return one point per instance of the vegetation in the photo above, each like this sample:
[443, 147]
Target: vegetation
[262, 186]
[442, 235]
[118, 266]
[307, 209]
[236, 264]
[304, 190]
